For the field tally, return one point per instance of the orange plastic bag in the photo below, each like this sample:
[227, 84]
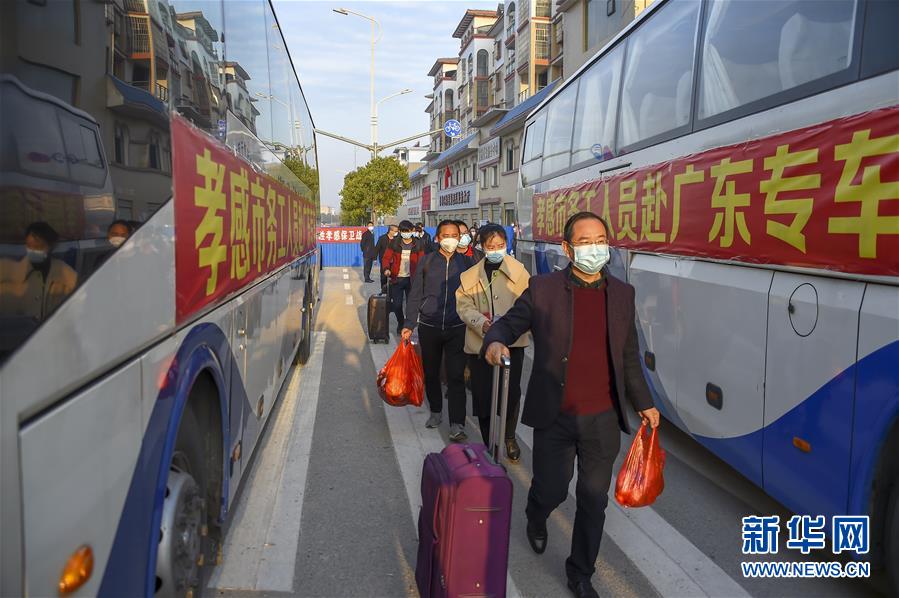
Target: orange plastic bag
[640, 480]
[401, 380]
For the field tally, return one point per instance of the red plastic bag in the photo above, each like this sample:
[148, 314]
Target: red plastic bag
[402, 379]
[640, 480]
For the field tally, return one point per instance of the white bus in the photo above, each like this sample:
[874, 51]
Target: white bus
[746, 157]
[158, 276]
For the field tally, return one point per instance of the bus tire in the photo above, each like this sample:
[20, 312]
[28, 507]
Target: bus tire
[183, 533]
[305, 348]
[891, 539]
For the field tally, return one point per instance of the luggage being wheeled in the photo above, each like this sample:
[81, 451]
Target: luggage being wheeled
[378, 322]
[463, 525]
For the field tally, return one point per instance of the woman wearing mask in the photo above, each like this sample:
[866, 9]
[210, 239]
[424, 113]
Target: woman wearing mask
[466, 247]
[400, 261]
[487, 291]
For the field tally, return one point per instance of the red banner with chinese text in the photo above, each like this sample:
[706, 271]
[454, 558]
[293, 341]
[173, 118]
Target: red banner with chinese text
[340, 234]
[825, 196]
[232, 223]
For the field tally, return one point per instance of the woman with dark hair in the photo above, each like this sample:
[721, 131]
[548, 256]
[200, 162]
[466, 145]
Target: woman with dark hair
[487, 291]
[399, 263]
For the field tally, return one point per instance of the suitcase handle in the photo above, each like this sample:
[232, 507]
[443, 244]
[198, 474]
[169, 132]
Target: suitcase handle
[500, 398]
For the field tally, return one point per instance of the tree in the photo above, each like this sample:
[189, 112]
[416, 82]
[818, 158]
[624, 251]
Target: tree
[373, 190]
[307, 174]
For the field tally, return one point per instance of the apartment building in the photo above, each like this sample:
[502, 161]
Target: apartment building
[587, 25]
[442, 106]
[475, 59]
[412, 199]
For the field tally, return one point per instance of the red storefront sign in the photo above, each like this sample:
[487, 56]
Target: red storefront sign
[826, 196]
[232, 224]
[426, 198]
[340, 234]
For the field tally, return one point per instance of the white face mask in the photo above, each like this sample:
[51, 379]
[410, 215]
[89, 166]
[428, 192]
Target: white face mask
[449, 244]
[36, 256]
[406, 235]
[465, 240]
[590, 259]
[116, 241]
[370, 228]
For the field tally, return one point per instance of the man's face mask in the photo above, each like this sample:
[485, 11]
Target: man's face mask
[406, 235]
[116, 241]
[36, 256]
[590, 259]
[465, 240]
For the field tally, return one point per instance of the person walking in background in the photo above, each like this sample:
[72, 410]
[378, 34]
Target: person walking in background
[381, 248]
[586, 363]
[367, 245]
[426, 240]
[400, 261]
[432, 305]
[466, 247]
[486, 291]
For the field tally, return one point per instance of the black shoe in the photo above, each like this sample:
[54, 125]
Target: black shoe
[537, 536]
[513, 451]
[582, 589]
[369, 280]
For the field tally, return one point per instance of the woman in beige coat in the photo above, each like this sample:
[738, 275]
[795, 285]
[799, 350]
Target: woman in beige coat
[487, 291]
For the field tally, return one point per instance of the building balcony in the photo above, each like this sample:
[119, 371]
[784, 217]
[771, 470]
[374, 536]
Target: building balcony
[139, 36]
[523, 95]
[138, 6]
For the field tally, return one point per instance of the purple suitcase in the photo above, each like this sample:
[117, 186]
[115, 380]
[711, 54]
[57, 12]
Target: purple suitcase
[463, 525]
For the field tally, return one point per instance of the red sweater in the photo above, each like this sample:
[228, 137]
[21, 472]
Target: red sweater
[587, 379]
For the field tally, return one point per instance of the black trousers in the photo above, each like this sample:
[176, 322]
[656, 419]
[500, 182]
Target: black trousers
[482, 391]
[444, 345]
[367, 267]
[594, 440]
[399, 291]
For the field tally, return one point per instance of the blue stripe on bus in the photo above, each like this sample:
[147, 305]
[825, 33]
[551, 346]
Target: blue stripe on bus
[131, 569]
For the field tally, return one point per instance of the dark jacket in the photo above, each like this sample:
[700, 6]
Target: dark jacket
[428, 243]
[367, 245]
[432, 301]
[394, 255]
[381, 246]
[545, 309]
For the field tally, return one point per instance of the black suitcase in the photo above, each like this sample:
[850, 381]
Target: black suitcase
[378, 322]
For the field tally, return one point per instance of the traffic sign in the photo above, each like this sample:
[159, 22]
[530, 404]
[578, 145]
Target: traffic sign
[453, 128]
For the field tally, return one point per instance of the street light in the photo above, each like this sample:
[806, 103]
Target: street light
[374, 118]
[266, 96]
[374, 40]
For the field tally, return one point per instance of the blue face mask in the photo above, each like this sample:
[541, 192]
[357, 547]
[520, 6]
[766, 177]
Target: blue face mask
[495, 257]
[590, 259]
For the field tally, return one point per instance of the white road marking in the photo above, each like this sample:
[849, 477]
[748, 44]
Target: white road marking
[412, 442]
[349, 299]
[346, 286]
[346, 276]
[345, 270]
[261, 546]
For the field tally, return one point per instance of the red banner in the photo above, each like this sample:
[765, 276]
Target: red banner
[340, 234]
[825, 196]
[426, 198]
[232, 223]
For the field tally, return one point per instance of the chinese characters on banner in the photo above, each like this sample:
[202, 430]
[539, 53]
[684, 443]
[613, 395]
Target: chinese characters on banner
[825, 196]
[232, 224]
[340, 234]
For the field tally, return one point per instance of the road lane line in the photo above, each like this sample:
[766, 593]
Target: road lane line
[261, 546]
[412, 442]
[346, 286]
[349, 299]
[346, 276]
[345, 270]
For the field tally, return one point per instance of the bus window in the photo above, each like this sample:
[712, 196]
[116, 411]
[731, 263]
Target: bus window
[594, 118]
[559, 119]
[880, 52]
[754, 50]
[533, 149]
[658, 75]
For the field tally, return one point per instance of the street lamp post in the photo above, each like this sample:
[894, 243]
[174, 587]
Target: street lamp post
[374, 40]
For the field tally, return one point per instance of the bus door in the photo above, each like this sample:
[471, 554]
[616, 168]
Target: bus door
[250, 399]
[810, 378]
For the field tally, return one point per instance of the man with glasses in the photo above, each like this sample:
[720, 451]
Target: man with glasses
[586, 362]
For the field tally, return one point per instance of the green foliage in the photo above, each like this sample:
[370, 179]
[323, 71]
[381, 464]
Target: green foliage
[307, 175]
[376, 187]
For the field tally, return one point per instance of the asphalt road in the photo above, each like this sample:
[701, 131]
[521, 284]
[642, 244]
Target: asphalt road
[330, 504]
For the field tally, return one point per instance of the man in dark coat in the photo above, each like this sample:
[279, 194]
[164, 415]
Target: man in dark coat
[381, 248]
[586, 363]
[367, 244]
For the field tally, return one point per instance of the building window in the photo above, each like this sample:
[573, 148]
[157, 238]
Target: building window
[483, 179]
[494, 173]
[510, 157]
[610, 7]
[121, 144]
[154, 159]
[482, 63]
